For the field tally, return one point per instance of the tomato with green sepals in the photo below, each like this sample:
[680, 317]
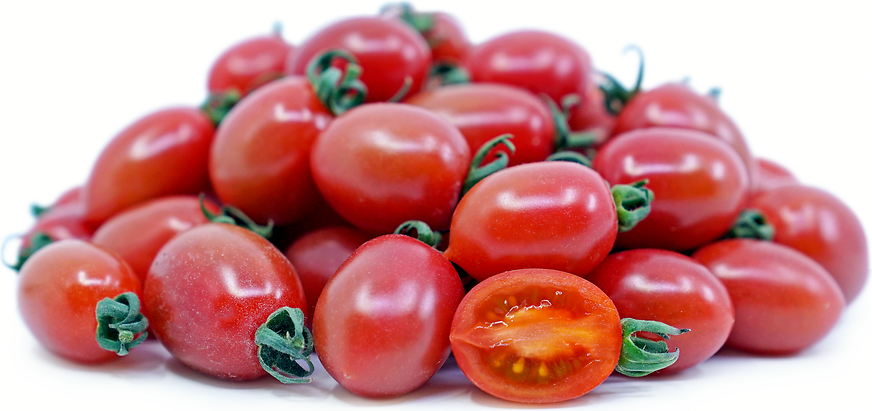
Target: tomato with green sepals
[249, 64]
[443, 33]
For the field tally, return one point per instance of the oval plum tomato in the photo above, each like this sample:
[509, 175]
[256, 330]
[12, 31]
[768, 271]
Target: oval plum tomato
[700, 185]
[249, 64]
[590, 115]
[538, 61]
[388, 51]
[138, 233]
[58, 292]
[260, 157]
[771, 174]
[822, 227]
[536, 336]
[381, 324]
[485, 111]
[665, 286]
[784, 301]
[448, 42]
[208, 291]
[552, 214]
[59, 222]
[318, 254]
[164, 153]
[379, 165]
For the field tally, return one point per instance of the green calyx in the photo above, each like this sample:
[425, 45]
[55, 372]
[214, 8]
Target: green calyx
[477, 171]
[232, 215]
[564, 137]
[570, 156]
[642, 356]
[282, 342]
[616, 95]
[420, 231]
[633, 203]
[120, 324]
[752, 224]
[339, 90]
[217, 105]
[421, 22]
[35, 242]
[445, 73]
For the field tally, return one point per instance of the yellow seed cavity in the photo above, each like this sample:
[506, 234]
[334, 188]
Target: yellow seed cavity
[518, 366]
[543, 370]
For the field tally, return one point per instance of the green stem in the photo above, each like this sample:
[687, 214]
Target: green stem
[616, 95]
[444, 73]
[477, 171]
[752, 224]
[633, 203]
[282, 341]
[570, 156]
[641, 356]
[35, 242]
[420, 231]
[234, 216]
[564, 137]
[338, 90]
[217, 105]
[120, 324]
[404, 89]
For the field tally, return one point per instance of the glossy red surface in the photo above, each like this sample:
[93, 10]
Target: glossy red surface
[249, 64]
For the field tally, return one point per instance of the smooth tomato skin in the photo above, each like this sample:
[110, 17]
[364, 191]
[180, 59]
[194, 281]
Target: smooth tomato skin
[209, 289]
[700, 185]
[71, 196]
[259, 160]
[448, 40]
[388, 51]
[481, 327]
[249, 64]
[661, 285]
[784, 301]
[821, 226]
[553, 214]
[381, 324]
[771, 174]
[381, 164]
[590, 115]
[318, 254]
[138, 233]
[541, 62]
[164, 153]
[58, 291]
[62, 222]
[485, 111]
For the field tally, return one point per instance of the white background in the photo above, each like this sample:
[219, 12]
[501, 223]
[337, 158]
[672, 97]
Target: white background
[795, 77]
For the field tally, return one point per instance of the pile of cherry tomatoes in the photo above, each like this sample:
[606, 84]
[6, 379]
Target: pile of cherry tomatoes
[386, 193]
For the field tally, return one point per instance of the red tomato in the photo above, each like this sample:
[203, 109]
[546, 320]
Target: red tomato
[71, 196]
[665, 286]
[590, 115]
[771, 175]
[442, 31]
[784, 301]
[554, 214]
[249, 64]
[381, 324]
[58, 291]
[536, 336]
[318, 254]
[379, 165]
[138, 233]
[260, 157]
[388, 51]
[700, 185]
[164, 153]
[485, 111]
[822, 227]
[207, 292]
[538, 61]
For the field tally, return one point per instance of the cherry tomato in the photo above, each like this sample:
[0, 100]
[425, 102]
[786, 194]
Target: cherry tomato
[771, 175]
[700, 185]
[207, 292]
[822, 227]
[71, 196]
[538, 61]
[784, 301]
[164, 153]
[590, 115]
[260, 157]
[58, 292]
[138, 233]
[318, 254]
[665, 286]
[442, 31]
[536, 336]
[379, 165]
[553, 214]
[249, 64]
[388, 51]
[381, 324]
[485, 111]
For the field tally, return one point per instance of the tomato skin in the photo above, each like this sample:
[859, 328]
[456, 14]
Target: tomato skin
[590, 115]
[62, 222]
[784, 301]
[58, 291]
[449, 42]
[381, 164]
[664, 286]
[249, 64]
[538, 61]
[553, 214]
[209, 289]
[598, 342]
[138, 233]
[164, 153]
[700, 185]
[771, 174]
[484, 111]
[260, 157]
[381, 324]
[387, 50]
[821, 226]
